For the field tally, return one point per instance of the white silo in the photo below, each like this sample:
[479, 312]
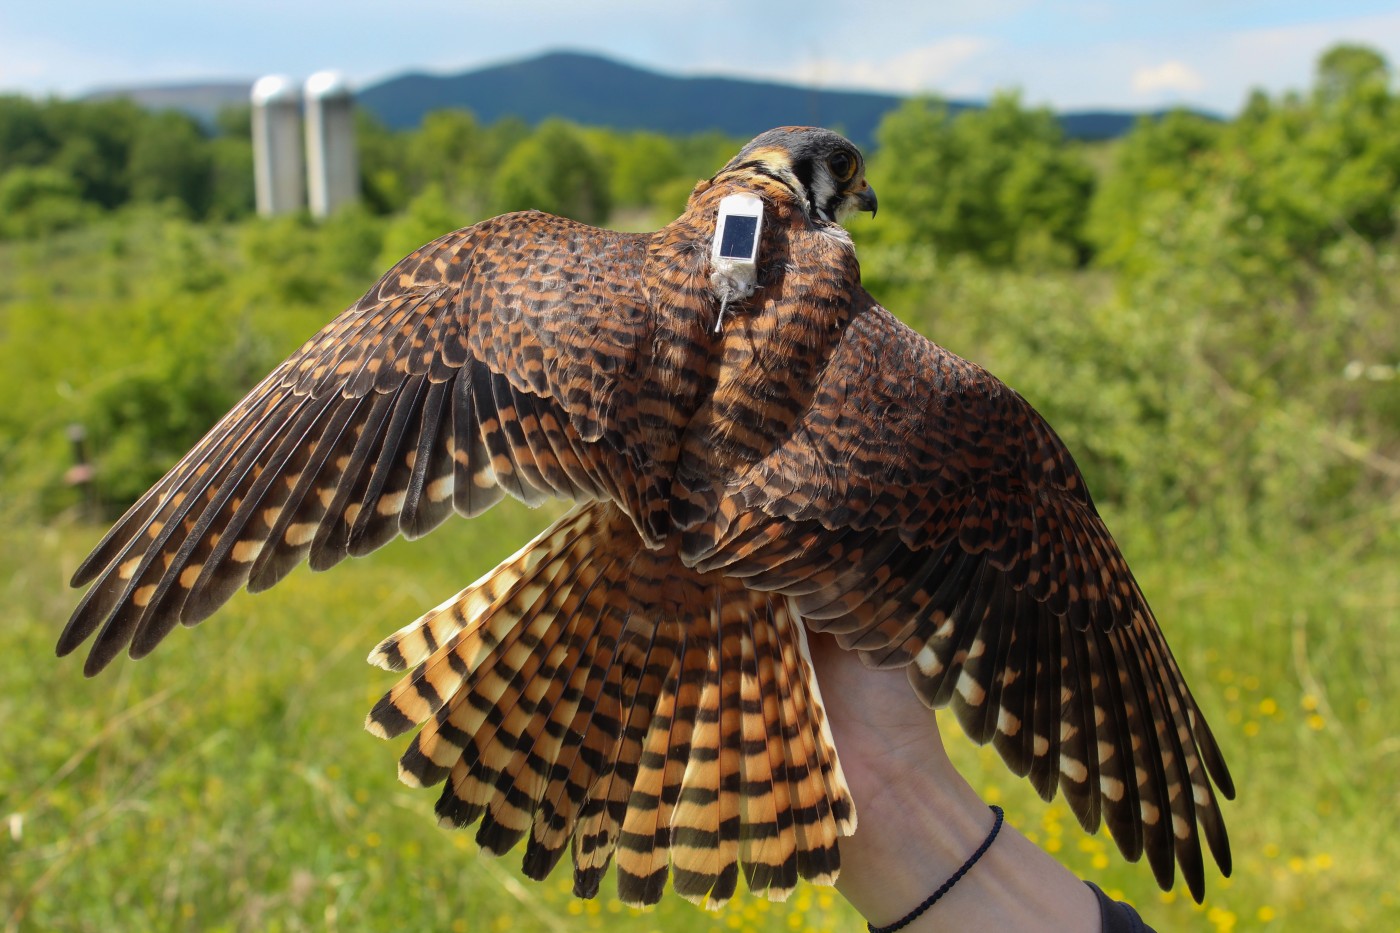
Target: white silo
[279, 177]
[332, 164]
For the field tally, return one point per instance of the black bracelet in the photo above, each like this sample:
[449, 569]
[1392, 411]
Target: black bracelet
[947, 885]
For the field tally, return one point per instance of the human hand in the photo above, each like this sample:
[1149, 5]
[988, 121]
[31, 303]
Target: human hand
[918, 820]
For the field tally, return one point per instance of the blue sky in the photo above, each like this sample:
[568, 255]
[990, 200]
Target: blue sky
[1093, 53]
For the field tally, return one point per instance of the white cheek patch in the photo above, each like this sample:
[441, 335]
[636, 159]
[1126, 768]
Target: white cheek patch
[823, 193]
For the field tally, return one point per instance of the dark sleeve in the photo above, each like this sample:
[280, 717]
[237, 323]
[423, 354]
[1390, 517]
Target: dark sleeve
[1118, 917]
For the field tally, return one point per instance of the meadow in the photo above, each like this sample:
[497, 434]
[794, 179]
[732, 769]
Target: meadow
[226, 784]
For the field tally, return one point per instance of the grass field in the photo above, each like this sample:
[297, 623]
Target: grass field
[226, 784]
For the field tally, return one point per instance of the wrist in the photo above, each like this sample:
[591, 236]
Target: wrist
[914, 828]
[918, 829]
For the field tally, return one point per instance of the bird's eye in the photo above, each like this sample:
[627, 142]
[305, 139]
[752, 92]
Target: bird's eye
[842, 166]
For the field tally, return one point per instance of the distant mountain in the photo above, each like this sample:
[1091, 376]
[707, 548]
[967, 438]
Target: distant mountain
[597, 91]
[201, 101]
[600, 92]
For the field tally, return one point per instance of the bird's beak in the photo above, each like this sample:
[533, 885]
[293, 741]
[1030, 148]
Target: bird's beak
[866, 200]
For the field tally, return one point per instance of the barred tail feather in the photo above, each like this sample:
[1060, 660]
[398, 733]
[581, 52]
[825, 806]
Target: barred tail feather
[592, 695]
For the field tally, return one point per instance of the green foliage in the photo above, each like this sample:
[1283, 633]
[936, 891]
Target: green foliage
[704, 154]
[445, 153]
[1000, 184]
[1287, 182]
[79, 158]
[146, 328]
[689, 159]
[1346, 71]
[235, 122]
[25, 136]
[1155, 166]
[231, 172]
[1262, 255]
[35, 201]
[93, 143]
[383, 173]
[114, 153]
[637, 165]
[168, 160]
[451, 154]
[553, 170]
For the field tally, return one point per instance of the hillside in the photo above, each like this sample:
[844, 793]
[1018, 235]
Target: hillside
[597, 91]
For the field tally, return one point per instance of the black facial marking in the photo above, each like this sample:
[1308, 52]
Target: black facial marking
[802, 169]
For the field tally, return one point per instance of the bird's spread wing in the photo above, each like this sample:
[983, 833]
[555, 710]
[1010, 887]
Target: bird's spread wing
[500, 358]
[924, 512]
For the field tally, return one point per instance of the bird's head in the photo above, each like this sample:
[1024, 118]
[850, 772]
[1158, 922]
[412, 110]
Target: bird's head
[823, 169]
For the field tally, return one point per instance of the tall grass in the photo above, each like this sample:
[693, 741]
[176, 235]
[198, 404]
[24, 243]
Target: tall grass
[228, 785]
[225, 784]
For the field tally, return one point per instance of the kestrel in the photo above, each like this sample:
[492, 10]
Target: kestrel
[635, 682]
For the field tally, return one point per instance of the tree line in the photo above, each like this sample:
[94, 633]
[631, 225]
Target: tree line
[65, 163]
[1001, 184]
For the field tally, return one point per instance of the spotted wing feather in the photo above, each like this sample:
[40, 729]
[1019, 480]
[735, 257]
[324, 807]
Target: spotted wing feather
[460, 377]
[926, 514]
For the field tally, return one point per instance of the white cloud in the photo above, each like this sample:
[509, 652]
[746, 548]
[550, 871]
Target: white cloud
[1286, 56]
[1214, 70]
[932, 67]
[1169, 76]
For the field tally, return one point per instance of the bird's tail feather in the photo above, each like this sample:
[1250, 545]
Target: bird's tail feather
[594, 695]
